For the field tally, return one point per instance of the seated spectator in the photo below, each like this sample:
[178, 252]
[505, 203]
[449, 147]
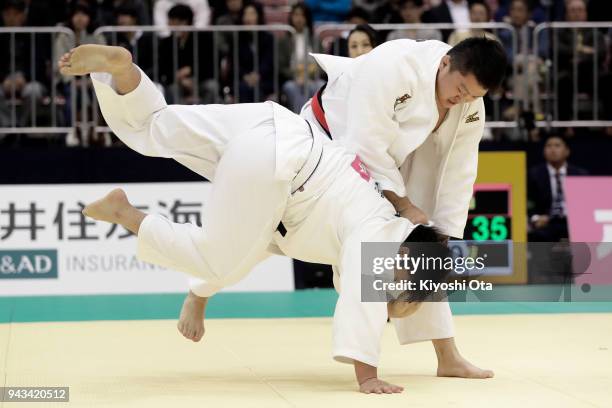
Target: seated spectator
[81, 20]
[139, 43]
[200, 8]
[108, 11]
[179, 76]
[411, 11]
[547, 208]
[526, 74]
[25, 82]
[577, 47]
[231, 15]
[338, 46]
[256, 82]
[294, 61]
[448, 11]
[479, 13]
[538, 14]
[361, 40]
[387, 13]
[324, 11]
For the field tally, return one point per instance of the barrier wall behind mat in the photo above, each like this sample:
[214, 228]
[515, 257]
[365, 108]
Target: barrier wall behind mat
[47, 247]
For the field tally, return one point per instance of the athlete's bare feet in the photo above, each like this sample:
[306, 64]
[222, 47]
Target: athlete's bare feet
[191, 322]
[110, 208]
[458, 366]
[88, 58]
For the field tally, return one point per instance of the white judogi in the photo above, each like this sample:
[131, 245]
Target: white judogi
[383, 106]
[251, 152]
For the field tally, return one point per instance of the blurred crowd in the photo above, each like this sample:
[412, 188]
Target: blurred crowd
[273, 65]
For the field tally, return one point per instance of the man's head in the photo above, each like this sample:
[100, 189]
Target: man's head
[127, 16]
[14, 13]
[357, 15]
[556, 150]
[411, 11]
[480, 12]
[427, 242]
[519, 13]
[576, 11]
[180, 15]
[469, 70]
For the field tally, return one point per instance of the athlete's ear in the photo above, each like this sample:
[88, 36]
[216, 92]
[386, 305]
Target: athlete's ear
[445, 61]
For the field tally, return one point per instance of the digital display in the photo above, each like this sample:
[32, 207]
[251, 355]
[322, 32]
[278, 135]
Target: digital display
[489, 216]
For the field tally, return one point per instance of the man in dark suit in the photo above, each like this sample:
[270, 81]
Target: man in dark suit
[449, 11]
[547, 209]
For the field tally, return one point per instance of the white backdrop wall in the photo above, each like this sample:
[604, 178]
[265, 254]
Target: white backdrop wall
[47, 247]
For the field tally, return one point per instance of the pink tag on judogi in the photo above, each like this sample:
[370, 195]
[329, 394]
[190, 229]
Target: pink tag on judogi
[360, 168]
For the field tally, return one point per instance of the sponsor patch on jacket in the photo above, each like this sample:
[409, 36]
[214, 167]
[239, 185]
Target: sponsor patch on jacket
[400, 100]
[472, 118]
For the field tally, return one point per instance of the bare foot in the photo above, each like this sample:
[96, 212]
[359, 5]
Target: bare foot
[378, 386]
[191, 322]
[109, 208]
[460, 367]
[88, 58]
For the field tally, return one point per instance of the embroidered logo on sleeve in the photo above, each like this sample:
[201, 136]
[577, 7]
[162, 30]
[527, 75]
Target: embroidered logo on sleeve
[400, 100]
[472, 118]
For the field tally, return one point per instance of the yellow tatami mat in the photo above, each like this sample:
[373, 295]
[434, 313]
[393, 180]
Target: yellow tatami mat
[552, 360]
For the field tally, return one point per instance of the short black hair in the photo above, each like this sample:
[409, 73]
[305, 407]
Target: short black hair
[483, 57]
[359, 13]
[127, 10]
[553, 135]
[367, 30]
[431, 243]
[181, 12]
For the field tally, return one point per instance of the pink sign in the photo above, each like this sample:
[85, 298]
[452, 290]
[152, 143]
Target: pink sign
[589, 215]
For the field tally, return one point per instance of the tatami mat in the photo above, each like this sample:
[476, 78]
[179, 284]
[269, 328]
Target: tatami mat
[560, 360]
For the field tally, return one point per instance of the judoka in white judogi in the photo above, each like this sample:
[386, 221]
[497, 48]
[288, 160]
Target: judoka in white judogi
[254, 153]
[382, 105]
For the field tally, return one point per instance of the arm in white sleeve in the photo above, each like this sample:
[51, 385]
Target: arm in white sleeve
[456, 188]
[358, 326]
[377, 82]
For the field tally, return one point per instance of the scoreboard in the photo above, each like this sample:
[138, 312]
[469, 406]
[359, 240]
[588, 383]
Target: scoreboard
[497, 218]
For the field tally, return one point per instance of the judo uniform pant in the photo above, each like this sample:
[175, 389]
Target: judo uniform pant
[230, 145]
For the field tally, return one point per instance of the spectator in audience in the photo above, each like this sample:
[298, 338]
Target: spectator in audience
[526, 75]
[45, 13]
[537, 12]
[200, 8]
[82, 22]
[339, 45]
[577, 47]
[361, 40]
[295, 64]
[479, 13]
[329, 10]
[547, 208]
[190, 73]
[27, 83]
[370, 6]
[411, 11]
[388, 13]
[108, 11]
[231, 15]
[256, 82]
[448, 11]
[139, 43]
